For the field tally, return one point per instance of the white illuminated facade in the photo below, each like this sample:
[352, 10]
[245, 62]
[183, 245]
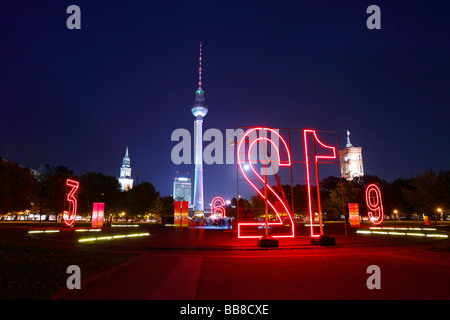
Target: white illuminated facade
[351, 161]
[182, 189]
[125, 180]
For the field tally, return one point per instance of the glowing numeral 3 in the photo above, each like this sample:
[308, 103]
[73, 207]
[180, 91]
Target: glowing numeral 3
[69, 216]
[330, 153]
[250, 162]
[374, 204]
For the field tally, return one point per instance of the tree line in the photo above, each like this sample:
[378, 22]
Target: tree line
[402, 198]
[43, 192]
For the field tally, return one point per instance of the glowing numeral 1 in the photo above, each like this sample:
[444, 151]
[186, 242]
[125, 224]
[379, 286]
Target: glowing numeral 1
[267, 187]
[317, 157]
[219, 209]
[69, 216]
[374, 204]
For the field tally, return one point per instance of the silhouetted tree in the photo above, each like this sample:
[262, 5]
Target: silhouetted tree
[18, 188]
[97, 187]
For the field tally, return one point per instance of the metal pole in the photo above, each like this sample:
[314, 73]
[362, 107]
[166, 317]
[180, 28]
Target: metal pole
[266, 206]
[319, 207]
[292, 183]
[340, 179]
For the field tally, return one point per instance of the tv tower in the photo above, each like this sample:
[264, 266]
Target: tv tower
[199, 110]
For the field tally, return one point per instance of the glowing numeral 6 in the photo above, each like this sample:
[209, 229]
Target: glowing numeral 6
[250, 162]
[218, 209]
[374, 204]
[69, 216]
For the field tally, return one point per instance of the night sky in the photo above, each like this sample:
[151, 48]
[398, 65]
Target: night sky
[78, 97]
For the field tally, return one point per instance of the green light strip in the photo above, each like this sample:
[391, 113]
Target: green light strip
[401, 228]
[115, 237]
[43, 231]
[414, 234]
[124, 225]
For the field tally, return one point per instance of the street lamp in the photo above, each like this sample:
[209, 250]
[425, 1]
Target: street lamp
[440, 213]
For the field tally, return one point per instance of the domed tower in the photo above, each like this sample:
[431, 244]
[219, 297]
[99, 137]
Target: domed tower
[199, 110]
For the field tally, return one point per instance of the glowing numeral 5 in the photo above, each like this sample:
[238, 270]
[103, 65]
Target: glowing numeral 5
[286, 163]
[69, 216]
[374, 204]
[317, 157]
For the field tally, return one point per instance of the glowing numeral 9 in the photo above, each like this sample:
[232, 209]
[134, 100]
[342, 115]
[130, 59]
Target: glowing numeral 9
[69, 216]
[218, 209]
[317, 157]
[250, 162]
[374, 204]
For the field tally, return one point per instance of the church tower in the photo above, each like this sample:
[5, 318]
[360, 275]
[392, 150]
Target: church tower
[125, 173]
[351, 161]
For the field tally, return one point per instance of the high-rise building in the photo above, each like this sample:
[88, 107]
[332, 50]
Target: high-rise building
[182, 189]
[125, 179]
[351, 161]
[199, 110]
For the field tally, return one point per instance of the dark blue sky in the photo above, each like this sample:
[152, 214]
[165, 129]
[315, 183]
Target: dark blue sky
[128, 77]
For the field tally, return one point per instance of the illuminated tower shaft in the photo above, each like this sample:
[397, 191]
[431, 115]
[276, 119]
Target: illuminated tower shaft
[198, 161]
[199, 110]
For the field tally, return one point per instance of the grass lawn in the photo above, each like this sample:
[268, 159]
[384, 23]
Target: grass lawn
[32, 273]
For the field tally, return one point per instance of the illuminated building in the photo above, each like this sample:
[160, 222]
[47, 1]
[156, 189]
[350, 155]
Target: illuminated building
[199, 110]
[182, 189]
[125, 180]
[351, 161]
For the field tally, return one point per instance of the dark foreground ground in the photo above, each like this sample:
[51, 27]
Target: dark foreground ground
[213, 265]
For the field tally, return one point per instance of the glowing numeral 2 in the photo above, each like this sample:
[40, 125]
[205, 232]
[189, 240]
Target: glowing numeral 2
[374, 204]
[317, 157]
[69, 216]
[285, 163]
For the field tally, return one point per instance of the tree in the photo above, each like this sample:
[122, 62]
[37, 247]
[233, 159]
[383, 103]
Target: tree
[351, 192]
[428, 191]
[97, 187]
[18, 189]
[138, 200]
[156, 208]
[52, 188]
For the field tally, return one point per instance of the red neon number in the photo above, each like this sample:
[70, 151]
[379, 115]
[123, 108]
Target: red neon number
[218, 210]
[285, 163]
[69, 216]
[317, 157]
[374, 204]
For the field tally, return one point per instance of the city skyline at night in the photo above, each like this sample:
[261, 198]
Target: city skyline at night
[77, 97]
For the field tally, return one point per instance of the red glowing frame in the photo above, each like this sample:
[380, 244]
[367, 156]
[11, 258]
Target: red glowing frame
[374, 204]
[285, 163]
[98, 210]
[308, 179]
[69, 216]
[218, 209]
